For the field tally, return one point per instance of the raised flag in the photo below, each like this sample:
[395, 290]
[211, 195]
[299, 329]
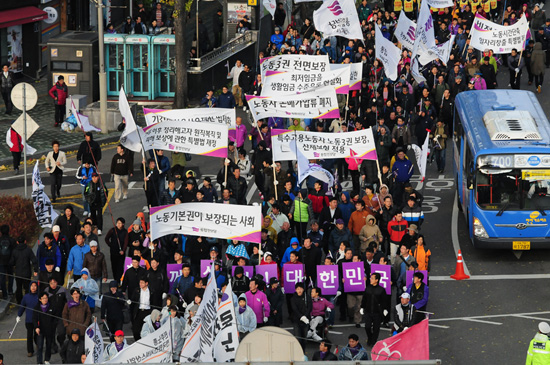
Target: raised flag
[270, 6]
[424, 37]
[405, 31]
[338, 18]
[305, 168]
[411, 344]
[388, 53]
[42, 205]
[129, 137]
[227, 335]
[421, 155]
[82, 120]
[93, 344]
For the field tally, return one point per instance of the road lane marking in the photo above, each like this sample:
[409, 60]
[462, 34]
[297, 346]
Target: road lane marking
[454, 232]
[495, 277]
[486, 316]
[482, 321]
[531, 317]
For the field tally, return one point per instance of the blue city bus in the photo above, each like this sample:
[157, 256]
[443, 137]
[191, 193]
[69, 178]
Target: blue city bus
[501, 164]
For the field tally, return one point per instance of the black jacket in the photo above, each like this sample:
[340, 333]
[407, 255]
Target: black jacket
[241, 285]
[116, 245]
[159, 280]
[131, 280]
[44, 320]
[24, 260]
[58, 298]
[69, 227]
[155, 300]
[6, 244]
[122, 165]
[276, 298]
[328, 357]
[238, 188]
[45, 276]
[373, 299]
[311, 258]
[71, 352]
[246, 81]
[112, 305]
[301, 306]
[91, 153]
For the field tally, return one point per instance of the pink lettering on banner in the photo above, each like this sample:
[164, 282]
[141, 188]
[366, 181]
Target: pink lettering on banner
[354, 276]
[410, 274]
[385, 276]
[327, 279]
[267, 271]
[248, 271]
[292, 274]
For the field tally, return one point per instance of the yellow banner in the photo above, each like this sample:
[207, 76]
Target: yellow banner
[535, 174]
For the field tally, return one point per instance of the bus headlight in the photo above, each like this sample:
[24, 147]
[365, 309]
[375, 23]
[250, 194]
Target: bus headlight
[479, 230]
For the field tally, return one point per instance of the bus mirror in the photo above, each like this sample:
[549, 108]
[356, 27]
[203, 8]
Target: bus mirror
[470, 182]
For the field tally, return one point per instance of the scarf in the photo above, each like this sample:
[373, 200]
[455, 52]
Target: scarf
[156, 325]
[44, 307]
[241, 310]
[72, 304]
[119, 347]
[354, 350]
[322, 355]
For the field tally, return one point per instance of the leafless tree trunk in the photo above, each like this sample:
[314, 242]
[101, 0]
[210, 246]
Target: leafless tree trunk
[180, 21]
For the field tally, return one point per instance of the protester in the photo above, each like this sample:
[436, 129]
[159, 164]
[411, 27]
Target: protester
[59, 93]
[55, 163]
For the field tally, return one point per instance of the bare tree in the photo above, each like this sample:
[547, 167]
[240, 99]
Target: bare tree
[181, 11]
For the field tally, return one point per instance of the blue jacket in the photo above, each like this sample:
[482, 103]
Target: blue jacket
[346, 208]
[403, 169]
[422, 302]
[277, 39]
[76, 258]
[87, 172]
[226, 100]
[28, 303]
[43, 253]
[330, 52]
[286, 256]
[182, 284]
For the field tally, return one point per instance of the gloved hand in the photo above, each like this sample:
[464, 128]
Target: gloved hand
[128, 302]
[406, 328]
[347, 108]
[338, 293]
[385, 312]
[517, 70]
[227, 161]
[275, 182]
[223, 184]
[265, 319]
[404, 288]
[57, 269]
[408, 147]
[304, 319]
[329, 310]
[438, 136]
[255, 92]
[282, 290]
[17, 319]
[164, 295]
[361, 311]
[261, 253]
[184, 305]
[254, 124]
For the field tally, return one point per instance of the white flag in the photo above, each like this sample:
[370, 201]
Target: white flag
[227, 338]
[93, 344]
[271, 6]
[422, 156]
[305, 168]
[415, 71]
[199, 345]
[42, 205]
[424, 38]
[388, 53]
[82, 120]
[440, 3]
[405, 31]
[130, 137]
[338, 18]
[498, 38]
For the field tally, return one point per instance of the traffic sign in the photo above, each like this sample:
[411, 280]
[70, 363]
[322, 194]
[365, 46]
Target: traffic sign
[18, 99]
[19, 125]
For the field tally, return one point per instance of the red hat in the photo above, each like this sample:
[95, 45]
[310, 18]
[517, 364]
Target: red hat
[119, 333]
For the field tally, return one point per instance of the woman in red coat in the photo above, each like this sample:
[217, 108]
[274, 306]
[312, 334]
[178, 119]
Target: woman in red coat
[15, 143]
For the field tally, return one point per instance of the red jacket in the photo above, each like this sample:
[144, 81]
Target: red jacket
[16, 140]
[60, 92]
[318, 200]
[397, 229]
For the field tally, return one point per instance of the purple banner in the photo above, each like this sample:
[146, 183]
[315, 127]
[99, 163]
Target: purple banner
[410, 274]
[128, 263]
[292, 274]
[205, 268]
[267, 271]
[354, 276]
[385, 276]
[248, 271]
[173, 271]
[327, 279]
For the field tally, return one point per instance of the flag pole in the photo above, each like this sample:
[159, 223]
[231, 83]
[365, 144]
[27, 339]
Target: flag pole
[275, 181]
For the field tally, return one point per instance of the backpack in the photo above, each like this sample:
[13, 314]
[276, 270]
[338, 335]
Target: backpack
[5, 249]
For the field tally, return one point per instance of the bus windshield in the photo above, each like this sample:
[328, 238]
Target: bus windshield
[513, 189]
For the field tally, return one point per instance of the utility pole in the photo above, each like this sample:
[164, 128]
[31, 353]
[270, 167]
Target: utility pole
[102, 74]
[181, 8]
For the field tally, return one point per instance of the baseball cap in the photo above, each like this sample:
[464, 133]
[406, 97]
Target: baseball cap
[75, 331]
[408, 296]
[93, 243]
[56, 228]
[273, 281]
[119, 333]
[339, 221]
[95, 174]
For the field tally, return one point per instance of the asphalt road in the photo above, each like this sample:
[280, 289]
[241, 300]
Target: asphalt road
[488, 319]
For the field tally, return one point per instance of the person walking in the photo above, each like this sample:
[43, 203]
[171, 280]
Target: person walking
[515, 66]
[59, 93]
[76, 313]
[7, 245]
[84, 174]
[26, 264]
[55, 163]
[538, 61]
[96, 196]
[112, 305]
[43, 323]
[15, 144]
[94, 261]
[115, 239]
[30, 300]
[371, 308]
[121, 168]
[89, 150]
[6, 85]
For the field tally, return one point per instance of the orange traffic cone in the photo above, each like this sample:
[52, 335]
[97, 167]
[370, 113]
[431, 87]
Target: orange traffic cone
[459, 272]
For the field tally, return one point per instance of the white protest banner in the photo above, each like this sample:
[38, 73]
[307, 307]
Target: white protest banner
[271, 6]
[239, 222]
[440, 3]
[82, 120]
[194, 138]
[317, 145]
[424, 37]
[305, 168]
[129, 137]
[421, 155]
[227, 336]
[338, 18]
[300, 82]
[156, 348]
[93, 344]
[355, 76]
[42, 206]
[441, 51]
[416, 72]
[199, 346]
[201, 115]
[498, 38]
[320, 103]
[388, 53]
[405, 31]
[293, 63]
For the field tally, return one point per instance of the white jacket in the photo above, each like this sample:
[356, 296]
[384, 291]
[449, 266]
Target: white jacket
[111, 351]
[51, 163]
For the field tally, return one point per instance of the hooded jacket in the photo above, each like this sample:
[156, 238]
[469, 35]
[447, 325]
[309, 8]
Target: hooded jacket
[24, 260]
[338, 236]
[111, 350]
[246, 321]
[89, 151]
[240, 285]
[259, 304]
[346, 208]
[369, 233]
[30, 300]
[71, 351]
[148, 324]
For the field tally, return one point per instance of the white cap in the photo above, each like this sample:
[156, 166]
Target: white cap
[544, 327]
[56, 228]
[93, 243]
[406, 296]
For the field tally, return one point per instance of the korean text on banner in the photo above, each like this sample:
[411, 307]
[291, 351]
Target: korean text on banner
[293, 63]
[327, 279]
[193, 138]
[354, 276]
[201, 115]
[498, 38]
[319, 103]
[388, 53]
[299, 82]
[338, 18]
[93, 344]
[405, 31]
[424, 37]
[305, 168]
[440, 3]
[268, 271]
[224, 221]
[318, 145]
[45, 215]
[227, 337]
[385, 276]
[156, 347]
[355, 76]
[292, 274]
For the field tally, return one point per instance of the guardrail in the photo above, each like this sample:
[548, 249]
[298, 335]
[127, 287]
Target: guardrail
[209, 60]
